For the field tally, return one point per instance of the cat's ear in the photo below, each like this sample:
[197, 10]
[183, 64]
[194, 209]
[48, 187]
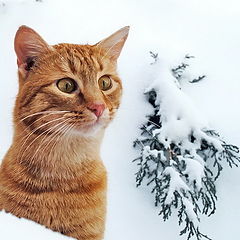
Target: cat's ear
[28, 45]
[114, 43]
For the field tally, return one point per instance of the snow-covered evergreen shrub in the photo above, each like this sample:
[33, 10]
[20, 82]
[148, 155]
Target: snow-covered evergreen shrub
[180, 157]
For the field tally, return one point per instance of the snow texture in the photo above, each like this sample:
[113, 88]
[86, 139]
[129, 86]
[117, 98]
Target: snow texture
[15, 228]
[207, 29]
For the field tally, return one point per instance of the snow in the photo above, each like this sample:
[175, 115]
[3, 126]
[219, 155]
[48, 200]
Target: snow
[206, 29]
[148, 152]
[176, 183]
[194, 170]
[13, 228]
[190, 211]
[179, 116]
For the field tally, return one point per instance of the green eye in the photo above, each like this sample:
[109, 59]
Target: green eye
[66, 85]
[105, 83]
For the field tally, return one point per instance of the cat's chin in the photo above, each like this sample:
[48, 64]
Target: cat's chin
[88, 130]
[93, 127]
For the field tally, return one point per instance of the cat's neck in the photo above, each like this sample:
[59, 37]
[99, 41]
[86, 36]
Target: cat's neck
[65, 158]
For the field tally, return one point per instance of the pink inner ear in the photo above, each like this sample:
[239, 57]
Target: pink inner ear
[28, 44]
[21, 56]
[114, 43]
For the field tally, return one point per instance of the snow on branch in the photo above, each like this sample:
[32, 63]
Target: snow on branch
[180, 156]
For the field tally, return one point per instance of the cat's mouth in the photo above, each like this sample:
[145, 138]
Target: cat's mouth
[87, 122]
[81, 117]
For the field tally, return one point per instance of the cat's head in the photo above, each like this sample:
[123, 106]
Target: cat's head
[67, 86]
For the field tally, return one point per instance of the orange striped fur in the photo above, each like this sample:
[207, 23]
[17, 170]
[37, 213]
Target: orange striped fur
[53, 173]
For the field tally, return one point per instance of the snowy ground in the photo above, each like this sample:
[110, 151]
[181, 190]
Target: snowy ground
[206, 29]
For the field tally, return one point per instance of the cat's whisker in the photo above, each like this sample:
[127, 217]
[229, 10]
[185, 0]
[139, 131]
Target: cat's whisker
[34, 122]
[45, 138]
[43, 125]
[43, 112]
[32, 132]
[38, 113]
[67, 132]
[61, 136]
[48, 141]
[70, 128]
[52, 139]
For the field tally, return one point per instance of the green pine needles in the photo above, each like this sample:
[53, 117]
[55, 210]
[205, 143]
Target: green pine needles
[181, 169]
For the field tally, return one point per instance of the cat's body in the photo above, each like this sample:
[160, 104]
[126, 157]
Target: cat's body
[52, 173]
[73, 205]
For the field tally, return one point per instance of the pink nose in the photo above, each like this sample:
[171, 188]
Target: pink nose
[96, 108]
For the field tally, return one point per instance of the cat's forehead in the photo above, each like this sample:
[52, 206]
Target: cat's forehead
[85, 63]
[83, 58]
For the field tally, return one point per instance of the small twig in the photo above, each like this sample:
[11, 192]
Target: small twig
[195, 80]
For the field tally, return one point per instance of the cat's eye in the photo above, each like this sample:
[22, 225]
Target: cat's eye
[66, 85]
[105, 83]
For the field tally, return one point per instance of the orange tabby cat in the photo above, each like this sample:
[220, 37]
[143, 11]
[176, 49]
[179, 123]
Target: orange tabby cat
[68, 93]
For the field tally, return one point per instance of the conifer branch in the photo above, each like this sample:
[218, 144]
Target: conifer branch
[181, 172]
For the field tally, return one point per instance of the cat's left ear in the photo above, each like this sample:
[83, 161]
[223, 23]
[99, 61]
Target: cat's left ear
[113, 44]
[28, 45]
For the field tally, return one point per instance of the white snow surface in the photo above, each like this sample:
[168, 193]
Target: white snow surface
[195, 171]
[209, 30]
[13, 228]
[179, 116]
[176, 183]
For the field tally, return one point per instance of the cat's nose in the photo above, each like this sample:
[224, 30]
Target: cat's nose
[96, 108]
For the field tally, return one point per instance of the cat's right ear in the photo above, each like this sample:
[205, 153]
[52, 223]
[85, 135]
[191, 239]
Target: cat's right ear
[28, 46]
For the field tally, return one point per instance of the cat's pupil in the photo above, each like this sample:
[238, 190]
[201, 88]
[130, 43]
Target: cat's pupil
[105, 83]
[66, 85]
